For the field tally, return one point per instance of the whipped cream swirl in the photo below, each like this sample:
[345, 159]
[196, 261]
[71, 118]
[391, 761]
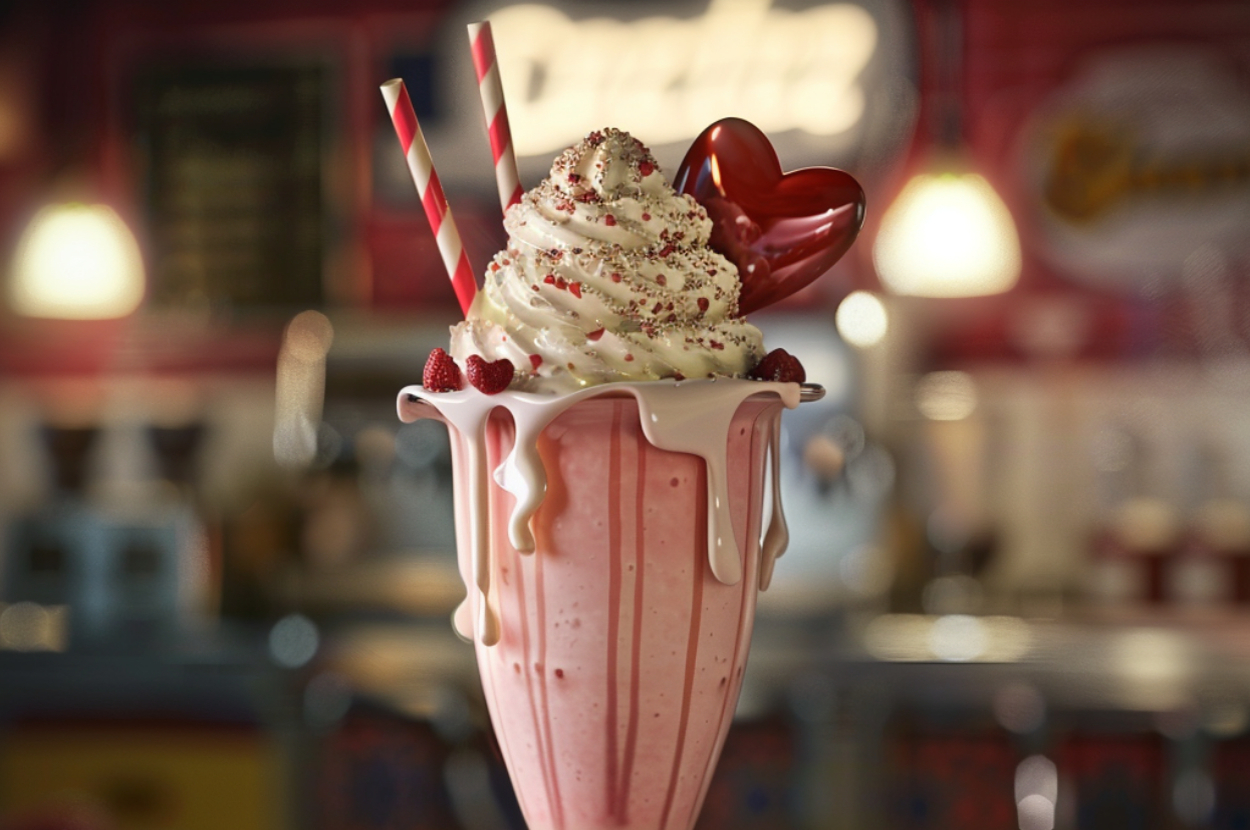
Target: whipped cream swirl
[608, 276]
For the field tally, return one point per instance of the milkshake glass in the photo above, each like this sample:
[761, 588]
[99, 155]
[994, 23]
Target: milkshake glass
[618, 653]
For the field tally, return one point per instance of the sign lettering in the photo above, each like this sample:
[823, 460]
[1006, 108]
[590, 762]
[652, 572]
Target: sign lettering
[669, 78]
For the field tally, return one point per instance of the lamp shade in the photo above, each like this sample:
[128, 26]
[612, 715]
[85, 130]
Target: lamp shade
[76, 261]
[947, 235]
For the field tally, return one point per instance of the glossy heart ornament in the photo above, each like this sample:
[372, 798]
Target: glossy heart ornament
[782, 230]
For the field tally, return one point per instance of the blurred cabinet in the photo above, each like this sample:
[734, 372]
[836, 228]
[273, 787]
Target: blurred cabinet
[144, 775]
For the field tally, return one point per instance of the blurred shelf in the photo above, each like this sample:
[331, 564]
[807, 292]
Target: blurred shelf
[1129, 661]
[228, 685]
[420, 586]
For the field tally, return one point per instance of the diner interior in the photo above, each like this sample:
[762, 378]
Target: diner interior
[1017, 587]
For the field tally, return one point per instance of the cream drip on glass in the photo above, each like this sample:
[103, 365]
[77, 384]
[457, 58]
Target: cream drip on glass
[669, 421]
[607, 276]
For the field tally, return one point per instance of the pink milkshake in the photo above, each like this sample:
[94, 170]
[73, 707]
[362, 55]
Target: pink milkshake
[610, 457]
[620, 654]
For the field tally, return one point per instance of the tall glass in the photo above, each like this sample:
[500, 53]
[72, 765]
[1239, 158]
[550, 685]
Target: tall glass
[621, 656]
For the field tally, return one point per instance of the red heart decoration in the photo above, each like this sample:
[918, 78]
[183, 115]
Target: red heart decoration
[782, 230]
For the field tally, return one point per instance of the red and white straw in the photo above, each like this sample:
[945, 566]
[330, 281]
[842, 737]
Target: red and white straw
[491, 90]
[412, 142]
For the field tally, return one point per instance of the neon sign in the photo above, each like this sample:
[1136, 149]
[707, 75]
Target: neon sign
[668, 78]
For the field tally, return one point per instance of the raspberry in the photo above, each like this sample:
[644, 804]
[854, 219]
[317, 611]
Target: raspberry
[779, 366]
[441, 373]
[489, 378]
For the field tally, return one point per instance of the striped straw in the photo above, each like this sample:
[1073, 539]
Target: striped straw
[491, 90]
[412, 142]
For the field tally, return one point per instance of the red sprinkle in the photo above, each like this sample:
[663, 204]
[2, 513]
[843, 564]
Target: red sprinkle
[550, 279]
[660, 279]
[667, 249]
[594, 335]
[646, 217]
[629, 358]
[703, 303]
[609, 220]
[575, 288]
[646, 168]
[615, 277]
[561, 283]
[657, 308]
[536, 360]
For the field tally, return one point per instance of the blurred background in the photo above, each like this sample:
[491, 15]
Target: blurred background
[1018, 592]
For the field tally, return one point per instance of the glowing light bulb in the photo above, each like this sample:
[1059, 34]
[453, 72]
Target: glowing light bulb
[79, 262]
[862, 319]
[947, 235]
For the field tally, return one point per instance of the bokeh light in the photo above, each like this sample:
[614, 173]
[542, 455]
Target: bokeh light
[861, 319]
[293, 641]
[946, 396]
[30, 626]
[947, 235]
[79, 262]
